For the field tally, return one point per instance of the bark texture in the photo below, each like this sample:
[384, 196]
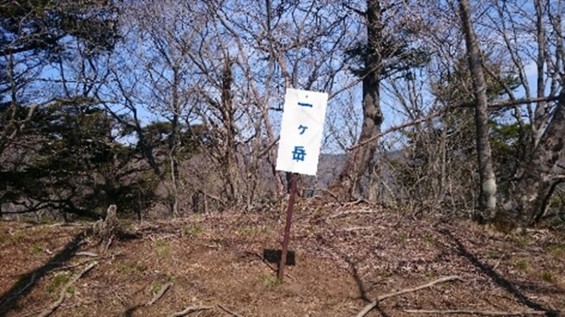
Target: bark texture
[487, 196]
[359, 159]
[529, 198]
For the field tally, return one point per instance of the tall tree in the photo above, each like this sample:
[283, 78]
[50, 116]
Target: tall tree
[528, 200]
[358, 161]
[389, 48]
[487, 196]
[35, 34]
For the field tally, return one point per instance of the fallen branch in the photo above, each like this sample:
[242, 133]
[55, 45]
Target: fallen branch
[229, 311]
[374, 304]
[63, 293]
[476, 312]
[190, 310]
[160, 294]
[352, 212]
[90, 254]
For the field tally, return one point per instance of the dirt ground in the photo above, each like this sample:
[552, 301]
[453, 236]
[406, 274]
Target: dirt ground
[346, 257]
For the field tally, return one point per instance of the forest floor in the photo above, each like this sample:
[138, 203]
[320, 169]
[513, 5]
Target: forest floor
[346, 257]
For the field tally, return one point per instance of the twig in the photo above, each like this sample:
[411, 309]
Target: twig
[399, 127]
[445, 110]
[358, 201]
[329, 192]
[63, 293]
[229, 311]
[94, 255]
[190, 310]
[476, 312]
[351, 212]
[374, 304]
[160, 294]
[357, 228]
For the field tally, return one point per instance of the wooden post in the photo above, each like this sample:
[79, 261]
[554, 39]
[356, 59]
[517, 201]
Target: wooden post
[282, 263]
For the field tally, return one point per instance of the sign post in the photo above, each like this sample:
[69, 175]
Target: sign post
[299, 146]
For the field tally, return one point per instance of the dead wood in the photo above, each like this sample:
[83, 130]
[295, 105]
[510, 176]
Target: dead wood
[90, 254]
[374, 304]
[49, 310]
[476, 312]
[352, 212]
[159, 294]
[190, 310]
[105, 231]
[229, 311]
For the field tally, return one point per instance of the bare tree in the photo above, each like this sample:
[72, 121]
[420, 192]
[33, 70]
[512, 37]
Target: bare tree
[487, 196]
[358, 161]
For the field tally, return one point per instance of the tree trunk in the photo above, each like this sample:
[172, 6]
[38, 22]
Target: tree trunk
[529, 198]
[173, 143]
[359, 159]
[230, 149]
[487, 194]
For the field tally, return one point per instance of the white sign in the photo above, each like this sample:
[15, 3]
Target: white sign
[301, 131]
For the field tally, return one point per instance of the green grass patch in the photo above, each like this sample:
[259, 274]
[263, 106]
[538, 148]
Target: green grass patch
[58, 281]
[36, 249]
[191, 231]
[548, 276]
[557, 250]
[270, 280]
[131, 267]
[163, 249]
[156, 287]
[385, 274]
[429, 239]
[522, 264]
[402, 239]
[17, 238]
[520, 240]
[251, 231]
[13, 239]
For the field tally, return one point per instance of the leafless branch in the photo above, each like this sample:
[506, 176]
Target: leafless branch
[476, 312]
[374, 304]
[160, 294]
[64, 291]
[438, 113]
[190, 310]
[231, 313]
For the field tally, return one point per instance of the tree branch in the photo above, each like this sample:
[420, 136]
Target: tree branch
[160, 294]
[189, 310]
[476, 312]
[374, 304]
[63, 293]
[495, 105]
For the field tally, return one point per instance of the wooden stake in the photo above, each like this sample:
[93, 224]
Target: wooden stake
[291, 199]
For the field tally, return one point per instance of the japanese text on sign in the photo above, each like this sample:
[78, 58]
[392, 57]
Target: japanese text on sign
[301, 131]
